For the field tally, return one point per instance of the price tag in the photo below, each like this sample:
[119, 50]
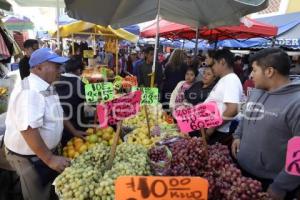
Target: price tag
[161, 188]
[204, 115]
[88, 53]
[292, 165]
[111, 112]
[149, 96]
[99, 92]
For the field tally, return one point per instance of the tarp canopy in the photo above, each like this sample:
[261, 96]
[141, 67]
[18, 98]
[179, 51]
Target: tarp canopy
[248, 28]
[286, 24]
[18, 23]
[120, 13]
[86, 27]
[288, 34]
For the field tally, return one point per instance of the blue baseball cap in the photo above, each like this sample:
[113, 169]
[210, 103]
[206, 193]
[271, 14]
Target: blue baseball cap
[43, 55]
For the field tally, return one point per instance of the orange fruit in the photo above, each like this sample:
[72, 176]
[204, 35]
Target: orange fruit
[83, 148]
[90, 131]
[70, 143]
[71, 153]
[76, 154]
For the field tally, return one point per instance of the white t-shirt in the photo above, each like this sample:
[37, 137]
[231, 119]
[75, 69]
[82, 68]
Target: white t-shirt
[34, 105]
[228, 90]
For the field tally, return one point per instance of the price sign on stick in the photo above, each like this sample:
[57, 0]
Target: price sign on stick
[161, 188]
[194, 118]
[111, 112]
[149, 96]
[99, 92]
[88, 53]
[292, 165]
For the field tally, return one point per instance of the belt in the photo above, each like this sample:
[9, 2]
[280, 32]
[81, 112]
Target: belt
[27, 156]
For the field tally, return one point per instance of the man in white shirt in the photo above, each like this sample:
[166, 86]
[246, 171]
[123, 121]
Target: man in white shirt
[34, 126]
[227, 93]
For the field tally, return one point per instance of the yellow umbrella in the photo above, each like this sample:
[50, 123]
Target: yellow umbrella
[81, 27]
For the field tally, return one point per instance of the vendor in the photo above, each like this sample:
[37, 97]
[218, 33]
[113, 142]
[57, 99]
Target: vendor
[34, 125]
[270, 119]
[71, 93]
[227, 93]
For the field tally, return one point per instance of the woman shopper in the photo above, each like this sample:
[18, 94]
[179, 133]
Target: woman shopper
[177, 97]
[199, 91]
[174, 73]
[70, 89]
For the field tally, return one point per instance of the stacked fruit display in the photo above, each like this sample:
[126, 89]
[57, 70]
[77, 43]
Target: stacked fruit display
[3, 91]
[77, 146]
[141, 135]
[185, 156]
[88, 179]
[96, 74]
[140, 119]
[129, 82]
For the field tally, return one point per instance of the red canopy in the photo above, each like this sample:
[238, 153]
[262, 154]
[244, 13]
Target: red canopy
[172, 30]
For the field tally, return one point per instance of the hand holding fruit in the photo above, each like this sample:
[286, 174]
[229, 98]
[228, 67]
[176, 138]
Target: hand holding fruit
[58, 163]
[80, 134]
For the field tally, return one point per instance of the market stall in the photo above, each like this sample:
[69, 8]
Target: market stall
[111, 37]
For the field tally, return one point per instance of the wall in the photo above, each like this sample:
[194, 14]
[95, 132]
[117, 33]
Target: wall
[293, 6]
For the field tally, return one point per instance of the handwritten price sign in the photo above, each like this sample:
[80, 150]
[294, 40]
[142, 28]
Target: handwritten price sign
[160, 188]
[293, 157]
[119, 109]
[149, 96]
[99, 92]
[204, 115]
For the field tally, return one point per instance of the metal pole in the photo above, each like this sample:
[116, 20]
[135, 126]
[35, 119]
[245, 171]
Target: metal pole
[57, 23]
[197, 40]
[156, 45]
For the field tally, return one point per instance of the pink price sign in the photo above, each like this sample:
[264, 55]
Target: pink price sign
[292, 165]
[111, 112]
[204, 115]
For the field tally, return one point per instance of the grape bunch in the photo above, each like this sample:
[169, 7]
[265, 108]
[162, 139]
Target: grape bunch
[88, 179]
[190, 158]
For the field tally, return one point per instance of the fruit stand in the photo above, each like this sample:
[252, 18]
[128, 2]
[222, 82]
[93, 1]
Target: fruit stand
[110, 35]
[150, 146]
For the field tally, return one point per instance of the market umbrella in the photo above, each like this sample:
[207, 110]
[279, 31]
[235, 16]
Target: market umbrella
[196, 13]
[248, 28]
[78, 27]
[120, 13]
[5, 5]
[18, 23]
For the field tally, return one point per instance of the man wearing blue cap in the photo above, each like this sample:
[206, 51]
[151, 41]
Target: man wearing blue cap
[34, 126]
